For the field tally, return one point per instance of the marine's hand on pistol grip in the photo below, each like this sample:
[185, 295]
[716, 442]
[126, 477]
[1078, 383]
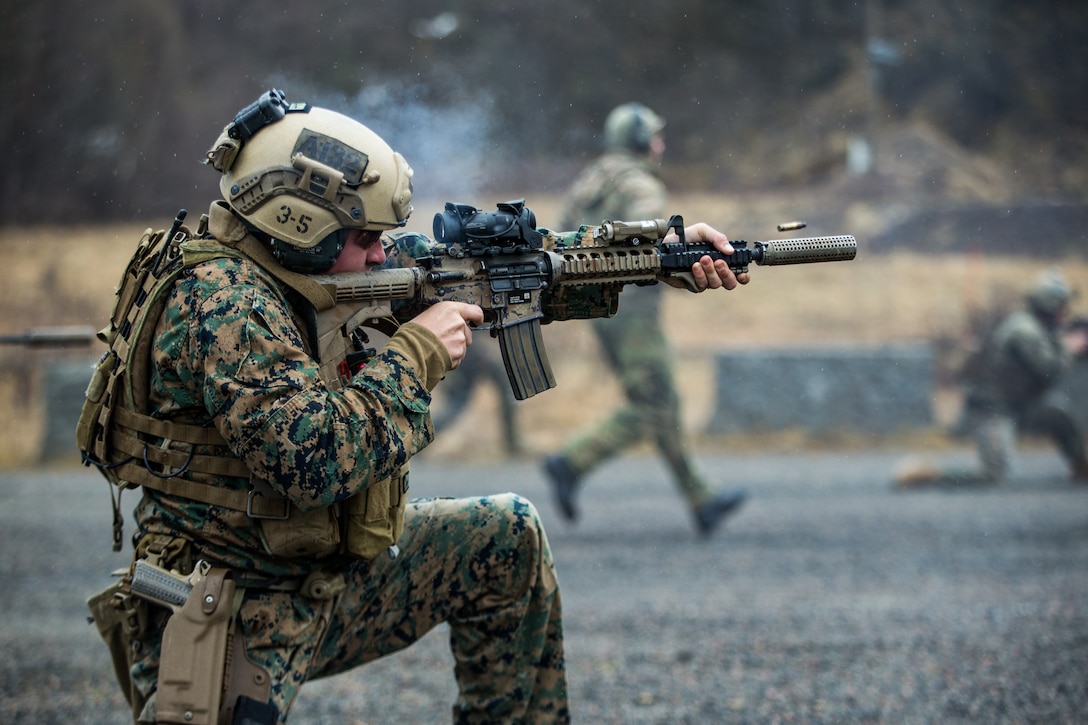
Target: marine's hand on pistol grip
[452, 323]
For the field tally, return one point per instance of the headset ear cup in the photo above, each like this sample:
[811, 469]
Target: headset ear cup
[631, 127]
[311, 260]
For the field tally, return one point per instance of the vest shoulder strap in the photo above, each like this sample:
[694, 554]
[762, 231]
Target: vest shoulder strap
[116, 433]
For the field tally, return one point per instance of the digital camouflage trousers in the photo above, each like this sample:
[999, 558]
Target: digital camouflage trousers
[482, 565]
[995, 437]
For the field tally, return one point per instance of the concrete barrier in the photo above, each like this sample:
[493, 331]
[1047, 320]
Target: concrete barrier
[879, 389]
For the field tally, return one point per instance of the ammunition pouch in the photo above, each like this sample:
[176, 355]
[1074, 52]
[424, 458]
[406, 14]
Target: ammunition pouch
[289, 532]
[94, 401]
[374, 518]
[367, 524]
[169, 552]
[302, 533]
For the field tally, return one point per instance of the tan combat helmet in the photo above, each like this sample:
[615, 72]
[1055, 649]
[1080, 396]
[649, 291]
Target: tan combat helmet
[305, 176]
[630, 127]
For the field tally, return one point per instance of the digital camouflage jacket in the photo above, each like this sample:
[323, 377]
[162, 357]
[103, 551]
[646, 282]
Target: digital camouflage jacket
[229, 352]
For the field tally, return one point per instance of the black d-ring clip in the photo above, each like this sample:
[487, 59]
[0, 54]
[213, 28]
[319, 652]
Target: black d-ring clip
[178, 472]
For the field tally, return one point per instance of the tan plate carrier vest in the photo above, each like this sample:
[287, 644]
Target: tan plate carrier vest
[116, 434]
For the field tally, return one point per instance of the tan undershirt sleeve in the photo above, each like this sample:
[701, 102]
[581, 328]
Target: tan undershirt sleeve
[426, 353]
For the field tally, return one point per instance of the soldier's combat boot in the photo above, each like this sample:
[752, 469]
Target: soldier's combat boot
[711, 513]
[917, 474]
[564, 485]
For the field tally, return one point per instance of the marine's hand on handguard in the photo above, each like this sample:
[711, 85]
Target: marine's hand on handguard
[708, 273]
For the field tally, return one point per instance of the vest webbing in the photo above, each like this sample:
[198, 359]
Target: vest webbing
[127, 431]
[132, 448]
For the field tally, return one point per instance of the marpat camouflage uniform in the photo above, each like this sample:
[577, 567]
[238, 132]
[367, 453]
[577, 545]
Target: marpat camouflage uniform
[229, 353]
[1023, 360]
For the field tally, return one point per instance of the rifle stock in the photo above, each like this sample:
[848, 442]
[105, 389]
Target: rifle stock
[532, 276]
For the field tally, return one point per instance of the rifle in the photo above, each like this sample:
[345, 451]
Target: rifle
[69, 336]
[523, 276]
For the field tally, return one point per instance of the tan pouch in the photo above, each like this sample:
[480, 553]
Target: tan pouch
[120, 619]
[303, 533]
[297, 533]
[374, 519]
[93, 401]
[194, 652]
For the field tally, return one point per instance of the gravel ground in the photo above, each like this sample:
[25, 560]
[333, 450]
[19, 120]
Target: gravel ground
[830, 598]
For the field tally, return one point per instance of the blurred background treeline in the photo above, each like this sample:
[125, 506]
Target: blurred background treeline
[108, 106]
[948, 137]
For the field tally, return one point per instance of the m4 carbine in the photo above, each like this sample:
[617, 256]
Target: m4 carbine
[523, 276]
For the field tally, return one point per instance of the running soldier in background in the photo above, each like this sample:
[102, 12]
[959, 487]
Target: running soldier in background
[622, 185]
[1021, 360]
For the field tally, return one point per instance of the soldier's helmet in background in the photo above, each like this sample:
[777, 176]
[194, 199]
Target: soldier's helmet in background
[1050, 295]
[630, 127]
